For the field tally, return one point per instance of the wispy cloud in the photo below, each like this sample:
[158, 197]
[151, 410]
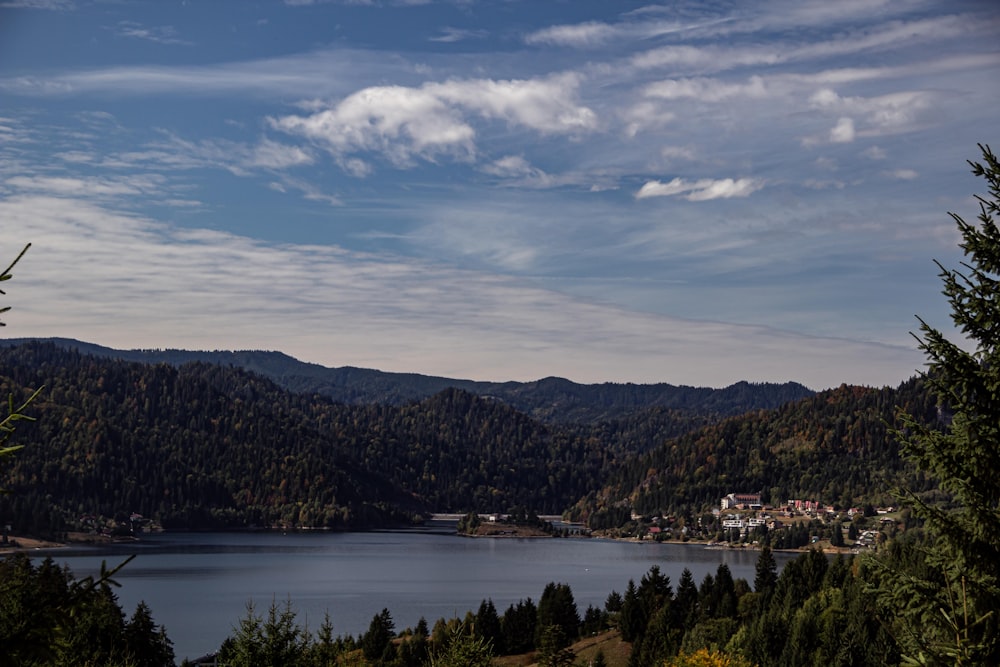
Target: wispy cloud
[57, 5]
[405, 315]
[164, 34]
[701, 190]
[449, 35]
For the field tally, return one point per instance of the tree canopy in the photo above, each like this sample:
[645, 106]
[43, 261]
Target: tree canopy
[948, 598]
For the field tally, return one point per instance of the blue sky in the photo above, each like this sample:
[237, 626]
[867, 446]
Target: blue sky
[688, 192]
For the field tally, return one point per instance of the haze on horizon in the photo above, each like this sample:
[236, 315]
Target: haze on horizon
[695, 193]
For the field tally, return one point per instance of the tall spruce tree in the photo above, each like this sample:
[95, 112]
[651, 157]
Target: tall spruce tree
[946, 612]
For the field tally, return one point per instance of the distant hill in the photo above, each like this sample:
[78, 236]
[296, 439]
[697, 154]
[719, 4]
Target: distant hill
[550, 399]
[211, 445]
[836, 447]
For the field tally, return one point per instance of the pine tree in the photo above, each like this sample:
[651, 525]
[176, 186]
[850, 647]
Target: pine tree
[766, 575]
[379, 636]
[952, 617]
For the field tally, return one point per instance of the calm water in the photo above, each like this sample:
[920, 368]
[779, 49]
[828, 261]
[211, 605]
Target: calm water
[198, 584]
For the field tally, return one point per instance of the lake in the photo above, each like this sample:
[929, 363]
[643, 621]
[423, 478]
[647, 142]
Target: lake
[198, 584]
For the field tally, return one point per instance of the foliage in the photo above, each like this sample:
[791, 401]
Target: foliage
[706, 658]
[47, 617]
[15, 412]
[553, 648]
[6, 275]
[557, 608]
[463, 649]
[518, 626]
[378, 640]
[271, 641]
[947, 607]
[835, 447]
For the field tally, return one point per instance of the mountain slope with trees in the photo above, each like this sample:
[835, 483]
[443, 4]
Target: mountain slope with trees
[836, 447]
[549, 399]
[209, 446]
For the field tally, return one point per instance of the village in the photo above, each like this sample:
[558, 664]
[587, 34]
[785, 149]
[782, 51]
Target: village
[742, 520]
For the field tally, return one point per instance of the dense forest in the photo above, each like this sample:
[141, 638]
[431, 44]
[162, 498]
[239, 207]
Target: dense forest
[837, 447]
[210, 446]
[548, 399]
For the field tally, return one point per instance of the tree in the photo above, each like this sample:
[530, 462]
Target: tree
[553, 649]
[147, 644]
[948, 614]
[463, 649]
[487, 624]
[518, 626]
[266, 641]
[378, 639]
[557, 607]
[766, 575]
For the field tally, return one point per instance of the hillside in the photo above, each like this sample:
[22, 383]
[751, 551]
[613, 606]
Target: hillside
[203, 446]
[835, 447]
[200, 445]
[549, 399]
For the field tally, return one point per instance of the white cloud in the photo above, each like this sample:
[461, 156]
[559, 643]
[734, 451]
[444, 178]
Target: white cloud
[308, 190]
[160, 34]
[397, 121]
[509, 166]
[707, 90]
[582, 34]
[701, 190]
[240, 158]
[449, 35]
[403, 123]
[544, 105]
[97, 188]
[843, 131]
[58, 5]
[874, 153]
[678, 153]
[646, 116]
[273, 155]
[904, 174]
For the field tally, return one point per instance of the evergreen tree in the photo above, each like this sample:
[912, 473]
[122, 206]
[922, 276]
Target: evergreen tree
[487, 625]
[147, 644]
[518, 626]
[378, 639]
[323, 652]
[553, 649]
[271, 641]
[686, 602]
[463, 649]
[557, 607]
[766, 574]
[952, 616]
[632, 620]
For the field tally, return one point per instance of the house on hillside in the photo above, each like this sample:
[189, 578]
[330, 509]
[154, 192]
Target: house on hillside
[742, 501]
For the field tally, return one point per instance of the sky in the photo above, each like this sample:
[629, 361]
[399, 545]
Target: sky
[695, 193]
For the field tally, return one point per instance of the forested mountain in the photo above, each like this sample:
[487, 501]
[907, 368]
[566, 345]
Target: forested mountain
[202, 445]
[549, 399]
[835, 447]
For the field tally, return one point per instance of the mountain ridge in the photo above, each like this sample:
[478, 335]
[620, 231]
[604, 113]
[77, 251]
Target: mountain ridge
[551, 399]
